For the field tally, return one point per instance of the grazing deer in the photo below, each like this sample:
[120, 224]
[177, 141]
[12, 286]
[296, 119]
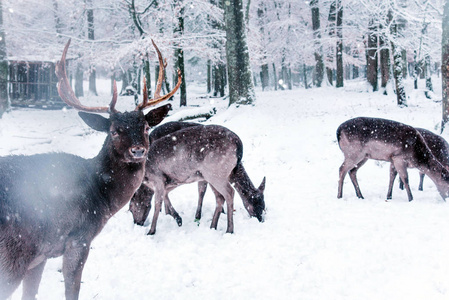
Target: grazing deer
[439, 148]
[205, 154]
[403, 146]
[54, 204]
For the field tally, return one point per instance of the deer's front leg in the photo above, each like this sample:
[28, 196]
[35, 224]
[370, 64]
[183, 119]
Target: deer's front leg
[74, 258]
[170, 210]
[31, 281]
[160, 194]
[202, 187]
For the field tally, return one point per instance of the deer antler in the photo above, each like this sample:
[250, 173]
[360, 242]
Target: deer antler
[157, 97]
[66, 93]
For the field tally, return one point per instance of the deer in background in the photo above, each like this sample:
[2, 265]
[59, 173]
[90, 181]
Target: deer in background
[439, 148]
[205, 154]
[54, 204]
[402, 145]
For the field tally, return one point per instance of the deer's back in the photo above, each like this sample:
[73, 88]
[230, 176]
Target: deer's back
[169, 127]
[436, 144]
[47, 197]
[194, 153]
[380, 139]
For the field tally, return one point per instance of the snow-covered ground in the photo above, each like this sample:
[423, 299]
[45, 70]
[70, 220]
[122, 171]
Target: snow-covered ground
[311, 245]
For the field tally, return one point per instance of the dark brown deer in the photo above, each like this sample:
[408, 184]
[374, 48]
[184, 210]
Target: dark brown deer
[55, 204]
[206, 154]
[439, 148]
[402, 145]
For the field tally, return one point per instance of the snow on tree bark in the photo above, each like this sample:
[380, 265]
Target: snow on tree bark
[331, 30]
[339, 56]
[319, 66]
[445, 65]
[4, 99]
[398, 71]
[91, 37]
[371, 55]
[241, 86]
[178, 32]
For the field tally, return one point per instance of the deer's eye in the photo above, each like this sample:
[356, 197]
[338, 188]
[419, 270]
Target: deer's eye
[147, 130]
[114, 133]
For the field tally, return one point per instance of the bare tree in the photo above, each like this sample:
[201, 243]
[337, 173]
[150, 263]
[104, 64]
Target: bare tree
[445, 65]
[135, 16]
[398, 70]
[4, 100]
[91, 37]
[179, 52]
[371, 55]
[339, 56]
[261, 13]
[331, 30]
[241, 86]
[319, 66]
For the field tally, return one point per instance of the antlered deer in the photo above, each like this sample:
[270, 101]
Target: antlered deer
[402, 145]
[439, 148]
[55, 204]
[206, 154]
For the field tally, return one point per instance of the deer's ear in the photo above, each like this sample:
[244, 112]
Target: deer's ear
[262, 186]
[156, 115]
[95, 121]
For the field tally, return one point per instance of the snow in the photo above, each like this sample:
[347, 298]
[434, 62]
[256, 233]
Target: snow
[311, 245]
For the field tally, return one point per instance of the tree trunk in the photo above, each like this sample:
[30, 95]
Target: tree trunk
[179, 52]
[241, 87]
[79, 91]
[125, 83]
[371, 55]
[4, 99]
[397, 66]
[219, 79]
[91, 37]
[179, 55]
[331, 28]
[264, 75]
[275, 78]
[147, 73]
[339, 29]
[209, 76]
[319, 65]
[384, 61]
[445, 66]
[58, 24]
[428, 73]
[146, 64]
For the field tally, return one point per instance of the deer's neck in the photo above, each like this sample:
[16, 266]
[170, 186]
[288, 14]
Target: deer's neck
[242, 183]
[117, 180]
[432, 168]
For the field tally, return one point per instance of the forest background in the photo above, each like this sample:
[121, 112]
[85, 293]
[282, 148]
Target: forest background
[290, 43]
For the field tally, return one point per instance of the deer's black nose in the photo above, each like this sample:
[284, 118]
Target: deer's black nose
[138, 152]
